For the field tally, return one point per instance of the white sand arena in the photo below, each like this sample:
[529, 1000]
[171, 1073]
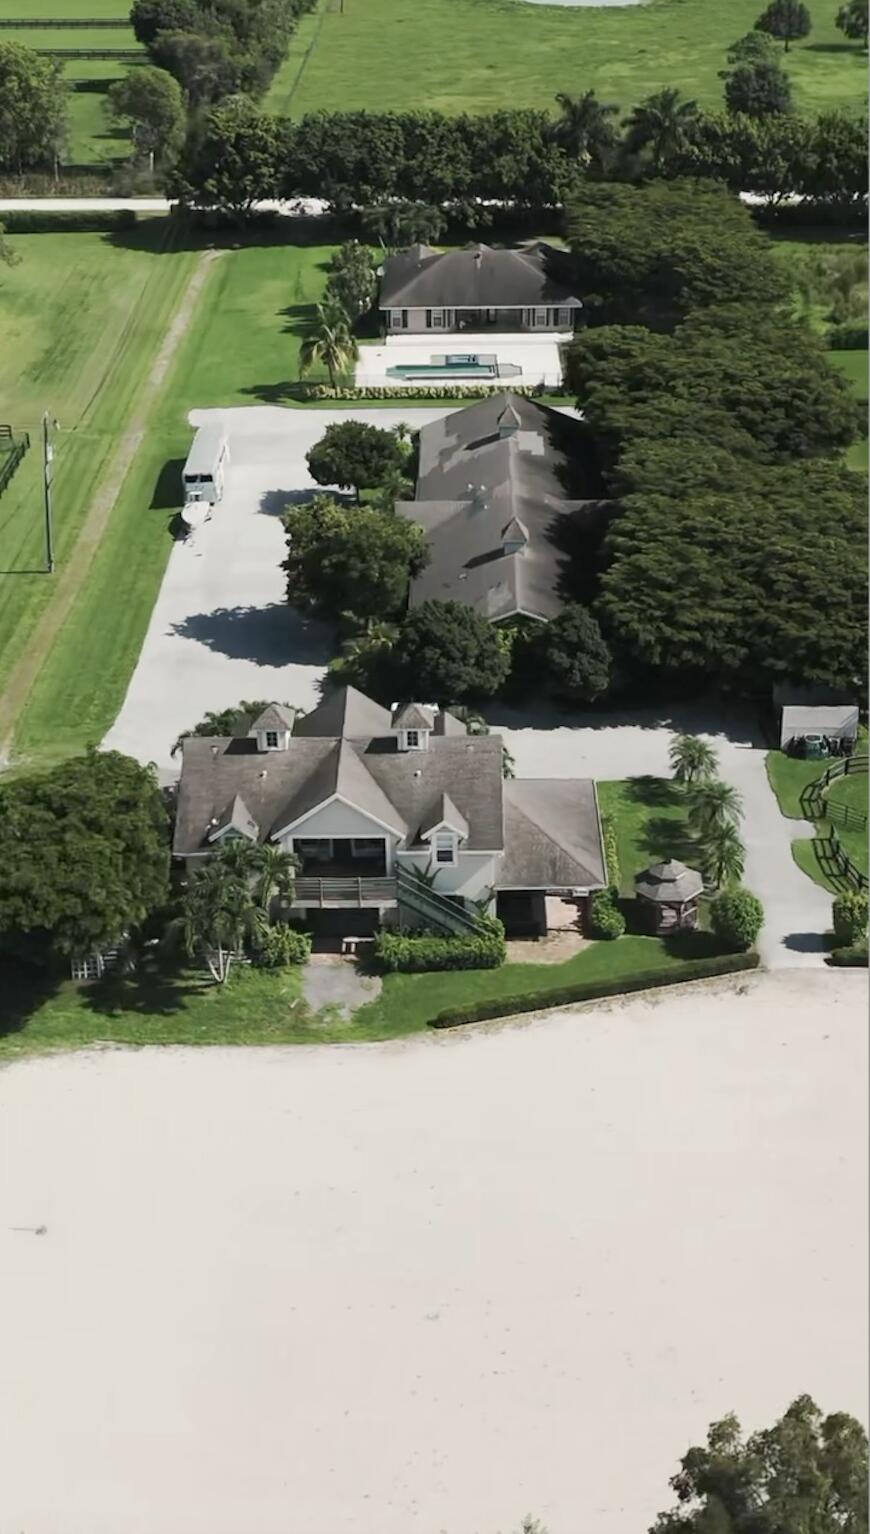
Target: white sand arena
[429, 1285]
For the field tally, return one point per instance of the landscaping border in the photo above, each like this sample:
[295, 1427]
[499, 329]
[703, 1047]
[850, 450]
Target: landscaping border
[644, 980]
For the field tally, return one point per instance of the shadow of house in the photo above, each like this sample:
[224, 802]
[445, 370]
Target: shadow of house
[275, 635]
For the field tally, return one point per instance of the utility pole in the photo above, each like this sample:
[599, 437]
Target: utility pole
[47, 456]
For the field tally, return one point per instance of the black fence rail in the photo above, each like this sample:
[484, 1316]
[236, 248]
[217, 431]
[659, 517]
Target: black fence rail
[848, 869]
[61, 23]
[120, 55]
[13, 446]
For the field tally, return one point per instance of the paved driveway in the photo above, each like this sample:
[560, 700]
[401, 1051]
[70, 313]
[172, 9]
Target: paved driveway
[797, 911]
[221, 629]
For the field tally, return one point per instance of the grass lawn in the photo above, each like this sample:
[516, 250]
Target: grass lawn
[478, 55]
[161, 1006]
[651, 826]
[853, 365]
[789, 777]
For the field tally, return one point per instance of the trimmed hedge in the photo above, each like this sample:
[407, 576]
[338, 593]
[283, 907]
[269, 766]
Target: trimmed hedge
[605, 918]
[611, 852]
[20, 221]
[847, 338]
[593, 990]
[409, 953]
[444, 390]
[850, 918]
[848, 958]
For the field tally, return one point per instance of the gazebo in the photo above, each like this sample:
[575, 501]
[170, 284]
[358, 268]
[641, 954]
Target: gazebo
[668, 893]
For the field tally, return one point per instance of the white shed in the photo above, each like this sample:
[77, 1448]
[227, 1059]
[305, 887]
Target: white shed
[814, 711]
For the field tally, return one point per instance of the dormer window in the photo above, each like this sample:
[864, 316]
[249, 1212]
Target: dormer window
[413, 740]
[445, 848]
[272, 740]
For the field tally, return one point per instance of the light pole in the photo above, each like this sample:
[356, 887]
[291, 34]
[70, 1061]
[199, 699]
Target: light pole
[47, 457]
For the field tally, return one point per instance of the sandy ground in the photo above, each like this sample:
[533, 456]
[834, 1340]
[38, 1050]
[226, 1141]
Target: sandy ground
[429, 1285]
[537, 356]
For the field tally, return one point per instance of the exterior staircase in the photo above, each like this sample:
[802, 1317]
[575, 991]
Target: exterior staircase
[430, 906]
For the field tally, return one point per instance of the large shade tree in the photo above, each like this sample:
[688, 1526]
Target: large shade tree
[84, 855]
[342, 560]
[576, 660]
[149, 103]
[354, 455]
[33, 109]
[852, 20]
[787, 20]
[231, 159]
[446, 652]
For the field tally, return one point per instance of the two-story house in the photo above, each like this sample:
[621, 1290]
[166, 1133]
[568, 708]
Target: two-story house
[394, 817]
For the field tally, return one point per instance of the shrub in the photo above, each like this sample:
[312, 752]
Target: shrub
[412, 953]
[446, 390]
[847, 338]
[853, 957]
[279, 946]
[736, 919]
[97, 220]
[850, 918]
[611, 853]
[592, 990]
[605, 918]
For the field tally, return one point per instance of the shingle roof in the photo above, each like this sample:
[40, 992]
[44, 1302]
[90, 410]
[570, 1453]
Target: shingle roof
[479, 277]
[345, 712]
[396, 788]
[410, 716]
[552, 835]
[448, 724]
[475, 484]
[237, 817]
[275, 717]
[671, 881]
[444, 813]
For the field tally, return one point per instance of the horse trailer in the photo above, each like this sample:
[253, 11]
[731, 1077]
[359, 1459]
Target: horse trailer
[207, 461]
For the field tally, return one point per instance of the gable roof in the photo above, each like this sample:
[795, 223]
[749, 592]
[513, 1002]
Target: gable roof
[552, 835]
[410, 716]
[443, 813]
[235, 817]
[479, 277]
[345, 712]
[340, 774]
[478, 488]
[274, 717]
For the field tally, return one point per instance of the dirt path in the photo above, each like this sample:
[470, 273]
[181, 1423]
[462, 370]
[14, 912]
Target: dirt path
[69, 580]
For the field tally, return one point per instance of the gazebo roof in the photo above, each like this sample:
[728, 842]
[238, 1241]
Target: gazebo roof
[670, 883]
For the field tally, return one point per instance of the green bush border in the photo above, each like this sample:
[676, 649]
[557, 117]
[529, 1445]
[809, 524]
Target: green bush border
[93, 221]
[592, 990]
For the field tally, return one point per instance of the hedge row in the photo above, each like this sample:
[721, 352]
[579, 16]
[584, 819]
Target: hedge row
[847, 338]
[849, 958]
[413, 953]
[593, 990]
[445, 390]
[20, 221]
[611, 852]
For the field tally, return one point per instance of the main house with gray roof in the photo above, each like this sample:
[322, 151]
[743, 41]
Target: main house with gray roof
[479, 288]
[393, 816]
[501, 487]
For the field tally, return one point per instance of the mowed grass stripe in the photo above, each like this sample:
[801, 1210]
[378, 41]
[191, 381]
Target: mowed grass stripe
[479, 55]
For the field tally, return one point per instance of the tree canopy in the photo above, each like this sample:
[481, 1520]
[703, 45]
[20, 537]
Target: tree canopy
[807, 1472]
[787, 20]
[447, 653]
[150, 102]
[354, 455]
[577, 661]
[231, 159]
[651, 252]
[84, 855]
[350, 560]
[852, 20]
[33, 109]
[217, 47]
[758, 90]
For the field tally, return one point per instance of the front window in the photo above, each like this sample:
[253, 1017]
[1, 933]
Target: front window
[445, 847]
[412, 740]
[272, 740]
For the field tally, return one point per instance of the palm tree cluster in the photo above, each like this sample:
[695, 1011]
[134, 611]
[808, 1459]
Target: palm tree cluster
[714, 810]
[227, 904]
[655, 132]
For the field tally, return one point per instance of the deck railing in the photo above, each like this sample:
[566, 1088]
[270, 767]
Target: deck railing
[344, 892]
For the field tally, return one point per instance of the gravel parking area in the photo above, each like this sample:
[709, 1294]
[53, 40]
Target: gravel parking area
[221, 629]
[430, 1285]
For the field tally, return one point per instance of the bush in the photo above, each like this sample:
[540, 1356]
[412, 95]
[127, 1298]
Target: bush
[281, 946]
[605, 918]
[737, 919]
[611, 853]
[22, 221]
[850, 918]
[413, 953]
[847, 338]
[446, 390]
[593, 990]
[853, 957]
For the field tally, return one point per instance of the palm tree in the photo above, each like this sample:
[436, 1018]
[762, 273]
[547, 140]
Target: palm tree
[275, 870]
[330, 343]
[663, 125]
[724, 854]
[584, 130]
[711, 803]
[692, 759]
[218, 914]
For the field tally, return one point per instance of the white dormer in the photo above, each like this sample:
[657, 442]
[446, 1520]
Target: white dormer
[273, 728]
[514, 537]
[445, 829]
[413, 726]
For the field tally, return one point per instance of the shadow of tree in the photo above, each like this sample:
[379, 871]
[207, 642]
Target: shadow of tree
[654, 792]
[275, 635]
[693, 945]
[25, 988]
[153, 989]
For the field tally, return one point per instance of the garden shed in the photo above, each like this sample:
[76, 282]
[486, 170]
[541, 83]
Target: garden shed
[814, 711]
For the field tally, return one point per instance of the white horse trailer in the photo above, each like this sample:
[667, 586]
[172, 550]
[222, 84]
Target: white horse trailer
[207, 461]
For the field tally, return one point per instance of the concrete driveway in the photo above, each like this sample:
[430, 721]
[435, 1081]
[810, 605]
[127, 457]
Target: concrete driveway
[797, 911]
[221, 630]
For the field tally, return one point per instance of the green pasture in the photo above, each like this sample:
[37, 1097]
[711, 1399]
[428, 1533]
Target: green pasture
[82, 317]
[479, 55]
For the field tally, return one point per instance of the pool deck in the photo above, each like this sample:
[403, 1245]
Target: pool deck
[536, 356]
